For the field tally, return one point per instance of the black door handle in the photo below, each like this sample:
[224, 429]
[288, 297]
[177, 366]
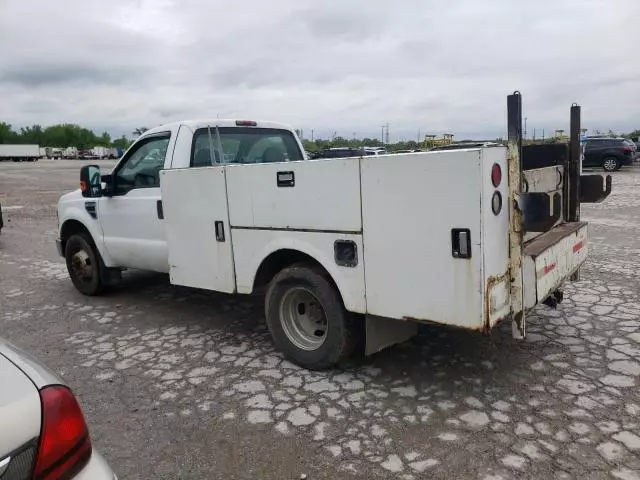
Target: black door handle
[160, 210]
[286, 179]
[219, 226]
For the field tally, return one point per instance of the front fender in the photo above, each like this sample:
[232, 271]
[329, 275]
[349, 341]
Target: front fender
[79, 214]
[252, 247]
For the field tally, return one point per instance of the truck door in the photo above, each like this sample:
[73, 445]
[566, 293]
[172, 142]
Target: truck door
[132, 229]
[196, 220]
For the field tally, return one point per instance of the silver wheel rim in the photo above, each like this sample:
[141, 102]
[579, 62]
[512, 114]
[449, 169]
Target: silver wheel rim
[303, 319]
[610, 164]
[81, 266]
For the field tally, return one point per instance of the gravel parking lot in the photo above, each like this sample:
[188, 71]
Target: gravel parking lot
[185, 384]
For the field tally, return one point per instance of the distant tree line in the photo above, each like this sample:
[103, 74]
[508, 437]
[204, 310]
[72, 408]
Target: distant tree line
[62, 136]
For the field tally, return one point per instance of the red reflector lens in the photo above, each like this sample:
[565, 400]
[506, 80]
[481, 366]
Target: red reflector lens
[246, 123]
[64, 447]
[496, 175]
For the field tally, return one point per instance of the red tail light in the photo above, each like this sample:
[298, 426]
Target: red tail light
[64, 447]
[246, 123]
[496, 175]
[627, 148]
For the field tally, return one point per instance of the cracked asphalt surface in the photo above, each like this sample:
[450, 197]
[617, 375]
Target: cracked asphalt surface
[178, 383]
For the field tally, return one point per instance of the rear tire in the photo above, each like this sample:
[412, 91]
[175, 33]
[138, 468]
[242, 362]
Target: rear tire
[84, 264]
[611, 164]
[307, 319]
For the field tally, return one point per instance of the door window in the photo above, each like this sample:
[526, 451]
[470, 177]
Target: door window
[141, 168]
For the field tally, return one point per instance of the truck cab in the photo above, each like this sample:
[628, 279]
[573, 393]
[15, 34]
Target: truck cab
[126, 221]
[349, 249]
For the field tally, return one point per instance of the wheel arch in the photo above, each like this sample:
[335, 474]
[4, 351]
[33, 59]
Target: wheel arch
[283, 258]
[74, 222]
[72, 227]
[349, 282]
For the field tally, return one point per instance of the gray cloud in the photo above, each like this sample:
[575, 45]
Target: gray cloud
[421, 65]
[45, 75]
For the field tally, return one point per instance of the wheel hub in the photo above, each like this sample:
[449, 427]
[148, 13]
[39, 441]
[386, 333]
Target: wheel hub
[81, 265]
[303, 319]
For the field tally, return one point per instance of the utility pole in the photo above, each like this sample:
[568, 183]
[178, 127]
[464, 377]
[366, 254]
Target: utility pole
[382, 135]
[525, 128]
[387, 135]
[312, 134]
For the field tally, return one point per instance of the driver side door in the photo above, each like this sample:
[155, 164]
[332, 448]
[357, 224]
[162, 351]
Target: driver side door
[132, 229]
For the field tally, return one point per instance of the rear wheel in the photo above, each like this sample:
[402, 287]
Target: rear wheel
[307, 319]
[611, 164]
[85, 265]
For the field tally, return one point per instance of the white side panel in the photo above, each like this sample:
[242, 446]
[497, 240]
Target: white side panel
[326, 195]
[495, 238]
[251, 247]
[193, 200]
[410, 204]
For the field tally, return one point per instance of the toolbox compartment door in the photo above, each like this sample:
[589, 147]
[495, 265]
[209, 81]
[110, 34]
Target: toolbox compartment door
[196, 219]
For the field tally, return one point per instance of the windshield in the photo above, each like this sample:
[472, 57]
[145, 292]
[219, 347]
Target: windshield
[243, 145]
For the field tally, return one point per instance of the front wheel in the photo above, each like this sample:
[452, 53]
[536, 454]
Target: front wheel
[84, 265]
[307, 319]
[611, 164]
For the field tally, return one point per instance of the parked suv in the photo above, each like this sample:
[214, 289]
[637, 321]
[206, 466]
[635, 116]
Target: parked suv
[609, 153]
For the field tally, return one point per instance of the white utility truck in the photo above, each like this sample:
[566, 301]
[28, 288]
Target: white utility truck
[351, 249]
[20, 153]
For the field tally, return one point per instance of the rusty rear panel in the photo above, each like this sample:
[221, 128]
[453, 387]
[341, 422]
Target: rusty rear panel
[495, 238]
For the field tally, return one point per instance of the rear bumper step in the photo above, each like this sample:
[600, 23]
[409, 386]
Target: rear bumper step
[551, 258]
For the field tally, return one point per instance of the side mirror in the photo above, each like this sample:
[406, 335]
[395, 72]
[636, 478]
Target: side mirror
[90, 185]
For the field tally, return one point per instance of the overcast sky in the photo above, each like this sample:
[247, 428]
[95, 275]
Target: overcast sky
[345, 66]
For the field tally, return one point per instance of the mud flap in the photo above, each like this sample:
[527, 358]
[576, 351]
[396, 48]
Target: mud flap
[384, 332]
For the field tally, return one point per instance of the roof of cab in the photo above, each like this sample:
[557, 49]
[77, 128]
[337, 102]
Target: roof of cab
[217, 122]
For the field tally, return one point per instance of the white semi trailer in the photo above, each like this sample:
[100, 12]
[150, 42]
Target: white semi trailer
[20, 153]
